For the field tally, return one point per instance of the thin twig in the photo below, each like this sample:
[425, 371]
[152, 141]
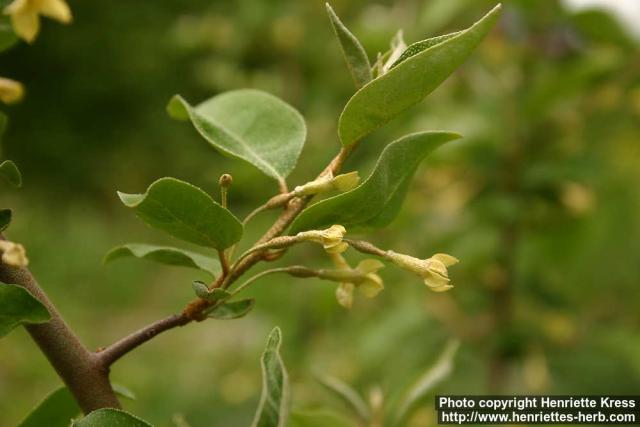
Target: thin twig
[118, 349]
[224, 262]
[194, 309]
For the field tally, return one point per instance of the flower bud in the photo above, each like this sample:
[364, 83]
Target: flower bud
[433, 270]
[13, 254]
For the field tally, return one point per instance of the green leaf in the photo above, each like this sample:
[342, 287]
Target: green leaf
[165, 255]
[5, 218]
[418, 47]
[7, 36]
[123, 391]
[376, 201]
[319, 419]
[273, 409]
[186, 212]
[231, 310]
[202, 291]
[59, 407]
[3, 124]
[347, 394]
[426, 382]
[409, 82]
[110, 418]
[10, 172]
[355, 55]
[251, 125]
[17, 307]
[56, 410]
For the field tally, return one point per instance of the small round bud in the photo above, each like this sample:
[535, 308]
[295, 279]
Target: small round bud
[225, 180]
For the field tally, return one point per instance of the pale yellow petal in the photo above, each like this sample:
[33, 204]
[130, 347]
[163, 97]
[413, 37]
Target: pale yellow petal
[344, 294]
[369, 266]
[10, 91]
[346, 182]
[444, 288]
[436, 266]
[56, 9]
[19, 6]
[446, 259]
[26, 25]
[336, 248]
[434, 280]
[371, 285]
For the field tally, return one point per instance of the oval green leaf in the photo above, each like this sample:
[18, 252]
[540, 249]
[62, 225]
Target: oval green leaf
[409, 82]
[10, 173]
[110, 418]
[186, 212]
[165, 255]
[375, 202]
[18, 307]
[354, 54]
[273, 409]
[231, 310]
[5, 218]
[248, 124]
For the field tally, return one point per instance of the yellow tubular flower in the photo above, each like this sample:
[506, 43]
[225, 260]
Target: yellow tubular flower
[25, 15]
[363, 277]
[433, 270]
[330, 238]
[10, 91]
[371, 284]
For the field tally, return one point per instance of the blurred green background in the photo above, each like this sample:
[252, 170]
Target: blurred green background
[539, 201]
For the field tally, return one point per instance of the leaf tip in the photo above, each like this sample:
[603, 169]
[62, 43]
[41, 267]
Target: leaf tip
[130, 200]
[178, 108]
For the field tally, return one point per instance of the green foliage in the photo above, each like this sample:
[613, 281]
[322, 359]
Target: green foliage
[18, 307]
[10, 173]
[273, 409]
[59, 407]
[5, 218]
[56, 410]
[420, 46]
[165, 255]
[376, 201]
[7, 36]
[251, 125]
[348, 395]
[318, 419]
[202, 291]
[409, 82]
[354, 53]
[186, 212]
[230, 310]
[110, 418]
[425, 383]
